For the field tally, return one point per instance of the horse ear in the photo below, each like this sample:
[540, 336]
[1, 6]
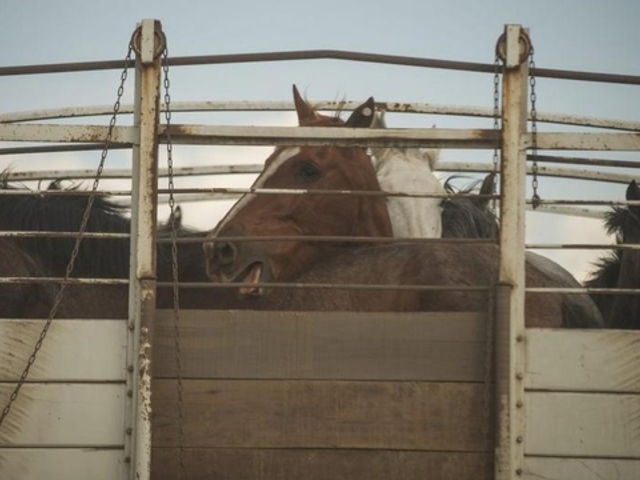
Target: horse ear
[487, 188]
[362, 117]
[306, 113]
[633, 191]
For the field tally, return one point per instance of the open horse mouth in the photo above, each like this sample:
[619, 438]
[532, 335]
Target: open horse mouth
[251, 275]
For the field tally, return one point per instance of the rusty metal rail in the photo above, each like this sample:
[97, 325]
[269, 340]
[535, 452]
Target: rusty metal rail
[326, 55]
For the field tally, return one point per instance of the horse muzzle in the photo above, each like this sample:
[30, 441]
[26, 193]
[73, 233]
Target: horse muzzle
[230, 262]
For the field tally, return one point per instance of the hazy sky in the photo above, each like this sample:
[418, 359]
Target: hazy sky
[586, 35]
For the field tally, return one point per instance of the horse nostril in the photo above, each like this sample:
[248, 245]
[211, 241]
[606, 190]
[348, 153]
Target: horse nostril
[224, 253]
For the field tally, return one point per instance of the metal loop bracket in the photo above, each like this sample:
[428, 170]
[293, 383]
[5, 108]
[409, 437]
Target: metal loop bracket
[525, 47]
[159, 44]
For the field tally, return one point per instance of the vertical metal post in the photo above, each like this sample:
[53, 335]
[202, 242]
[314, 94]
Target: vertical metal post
[513, 46]
[148, 43]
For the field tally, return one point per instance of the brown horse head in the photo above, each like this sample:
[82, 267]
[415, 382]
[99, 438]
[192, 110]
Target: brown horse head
[299, 168]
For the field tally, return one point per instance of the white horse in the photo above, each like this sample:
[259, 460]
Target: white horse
[410, 170]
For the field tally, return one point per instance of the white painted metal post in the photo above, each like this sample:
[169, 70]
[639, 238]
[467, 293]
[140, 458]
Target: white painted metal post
[148, 42]
[510, 328]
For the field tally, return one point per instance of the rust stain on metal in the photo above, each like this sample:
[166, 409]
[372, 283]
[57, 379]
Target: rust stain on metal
[144, 373]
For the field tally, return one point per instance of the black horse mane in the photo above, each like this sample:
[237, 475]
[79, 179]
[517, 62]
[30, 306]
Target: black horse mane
[618, 269]
[467, 216]
[32, 211]
[97, 258]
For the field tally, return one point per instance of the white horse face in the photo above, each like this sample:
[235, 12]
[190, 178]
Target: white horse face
[411, 170]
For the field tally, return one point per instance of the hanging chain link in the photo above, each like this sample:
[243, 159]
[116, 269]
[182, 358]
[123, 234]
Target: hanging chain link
[174, 264]
[487, 395]
[496, 126]
[535, 198]
[76, 248]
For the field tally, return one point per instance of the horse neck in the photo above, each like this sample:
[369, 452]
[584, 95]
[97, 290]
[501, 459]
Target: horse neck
[410, 170]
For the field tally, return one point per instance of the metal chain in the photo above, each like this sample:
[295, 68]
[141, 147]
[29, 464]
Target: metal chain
[535, 198]
[174, 265]
[496, 126]
[489, 332]
[76, 248]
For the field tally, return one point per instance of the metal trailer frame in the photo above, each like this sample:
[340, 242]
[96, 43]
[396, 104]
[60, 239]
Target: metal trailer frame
[511, 337]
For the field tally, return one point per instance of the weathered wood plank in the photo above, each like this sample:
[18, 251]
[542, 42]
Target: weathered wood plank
[74, 350]
[338, 346]
[583, 424]
[57, 463]
[308, 464]
[583, 360]
[64, 414]
[321, 414]
[536, 468]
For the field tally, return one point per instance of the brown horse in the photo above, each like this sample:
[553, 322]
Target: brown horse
[331, 168]
[319, 168]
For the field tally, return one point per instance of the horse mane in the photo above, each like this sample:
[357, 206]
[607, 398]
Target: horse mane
[34, 212]
[465, 216]
[618, 268]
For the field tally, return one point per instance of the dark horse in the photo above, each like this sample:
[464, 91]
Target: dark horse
[256, 263]
[620, 268]
[97, 258]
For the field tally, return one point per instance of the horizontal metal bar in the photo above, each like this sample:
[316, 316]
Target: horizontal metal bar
[600, 162]
[50, 234]
[584, 141]
[61, 148]
[331, 286]
[321, 54]
[300, 136]
[605, 203]
[70, 281]
[582, 246]
[65, 133]
[62, 193]
[330, 238]
[282, 106]
[346, 137]
[599, 291]
[578, 212]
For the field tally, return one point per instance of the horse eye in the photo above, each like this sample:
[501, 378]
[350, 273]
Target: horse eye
[308, 171]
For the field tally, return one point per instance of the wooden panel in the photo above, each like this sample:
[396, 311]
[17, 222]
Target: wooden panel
[74, 350]
[242, 464]
[64, 414]
[66, 464]
[583, 360]
[271, 345]
[321, 414]
[583, 425]
[537, 468]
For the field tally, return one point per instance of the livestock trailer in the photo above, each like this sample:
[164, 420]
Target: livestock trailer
[255, 394]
